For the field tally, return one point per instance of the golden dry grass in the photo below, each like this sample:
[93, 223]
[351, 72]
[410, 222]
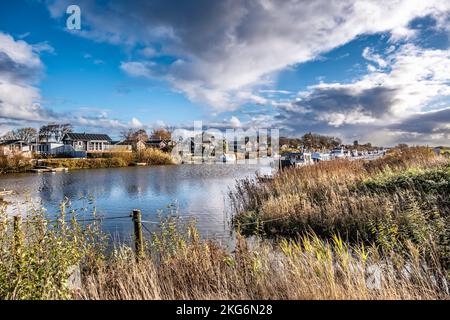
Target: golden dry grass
[305, 269]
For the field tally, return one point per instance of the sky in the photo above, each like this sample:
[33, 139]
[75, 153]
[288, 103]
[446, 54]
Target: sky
[372, 71]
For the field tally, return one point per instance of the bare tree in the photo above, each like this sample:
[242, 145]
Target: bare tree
[134, 135]
[55, 131]
[27, 135]
[8, 136]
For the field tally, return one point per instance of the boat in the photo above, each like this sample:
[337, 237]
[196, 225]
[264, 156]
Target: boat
[337, 153]
[265, 174]
[320, 156]
[42, 169]
[296, 159]
[228, 157]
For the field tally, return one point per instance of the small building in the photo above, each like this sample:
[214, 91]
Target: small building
[56, 148]
[88, 142]
[128, 145]
[14, 147]
[157, 143]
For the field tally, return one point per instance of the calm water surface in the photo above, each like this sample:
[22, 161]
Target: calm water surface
[199, 191]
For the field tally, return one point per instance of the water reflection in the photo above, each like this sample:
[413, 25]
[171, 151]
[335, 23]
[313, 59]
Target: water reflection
[199, 191]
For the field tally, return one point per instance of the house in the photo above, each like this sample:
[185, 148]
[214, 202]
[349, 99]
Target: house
[46, 147]
[55, 148]
[14, 147]
[248, 148]
[88, 142]
[157, 143]
[128, 145]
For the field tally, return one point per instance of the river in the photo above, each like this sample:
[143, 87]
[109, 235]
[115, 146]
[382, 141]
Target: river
[198, 191]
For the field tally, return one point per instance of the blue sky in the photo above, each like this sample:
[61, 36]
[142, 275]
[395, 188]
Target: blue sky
[370, 71]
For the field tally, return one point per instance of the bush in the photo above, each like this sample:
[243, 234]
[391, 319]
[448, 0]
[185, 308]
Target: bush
[112, 160]
[13, 164]
[36, 257]
[153, 156]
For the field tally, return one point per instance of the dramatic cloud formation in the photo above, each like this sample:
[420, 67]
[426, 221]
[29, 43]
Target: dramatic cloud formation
[20, 67]
[228, 54]
[398, 94]
[225, 47]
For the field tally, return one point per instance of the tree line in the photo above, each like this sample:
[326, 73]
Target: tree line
[56, 131]
[314, 141]
[49, 132]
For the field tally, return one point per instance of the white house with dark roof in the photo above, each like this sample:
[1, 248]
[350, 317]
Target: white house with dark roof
[88, 142]
[14, 147]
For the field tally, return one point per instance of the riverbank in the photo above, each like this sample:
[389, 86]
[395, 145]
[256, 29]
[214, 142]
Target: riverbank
[18, 164]
[391, 203]
[40, 256]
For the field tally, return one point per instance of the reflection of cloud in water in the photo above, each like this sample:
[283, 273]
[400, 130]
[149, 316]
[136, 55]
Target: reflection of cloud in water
[199, 190]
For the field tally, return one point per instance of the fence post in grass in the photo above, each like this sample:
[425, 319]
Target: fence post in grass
[17, 234]
[138, 240]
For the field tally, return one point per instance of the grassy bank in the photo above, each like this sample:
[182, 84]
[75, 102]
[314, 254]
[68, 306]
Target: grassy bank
[36, 259]
[113, 160]
[149, 156]
[390, 202]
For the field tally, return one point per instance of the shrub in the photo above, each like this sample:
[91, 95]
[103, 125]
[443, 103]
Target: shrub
[153, 156]
[14, 163]
[37, 256]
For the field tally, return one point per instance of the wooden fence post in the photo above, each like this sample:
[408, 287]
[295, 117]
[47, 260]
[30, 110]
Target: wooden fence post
[17, 230]
[138, 239]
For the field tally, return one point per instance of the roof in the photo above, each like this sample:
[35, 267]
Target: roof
[123, 142]
[87, 136]
[10, 142]
[153, 141]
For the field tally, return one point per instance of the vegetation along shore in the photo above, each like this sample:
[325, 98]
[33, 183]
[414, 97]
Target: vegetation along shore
[150, 156]
[337, 230]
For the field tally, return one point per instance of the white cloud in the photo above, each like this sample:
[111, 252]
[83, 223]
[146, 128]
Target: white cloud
[135, 123]
[235, 122]
[229, 46]
[19, 51]
[369, 55]
[137, 69]
[399, 100]
[20, 67]
[148, 52]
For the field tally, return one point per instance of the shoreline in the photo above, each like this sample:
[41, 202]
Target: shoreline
[150, 157]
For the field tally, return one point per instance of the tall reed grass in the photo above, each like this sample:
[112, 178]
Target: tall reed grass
[391, 201]
[181, 266]
[36, 260]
